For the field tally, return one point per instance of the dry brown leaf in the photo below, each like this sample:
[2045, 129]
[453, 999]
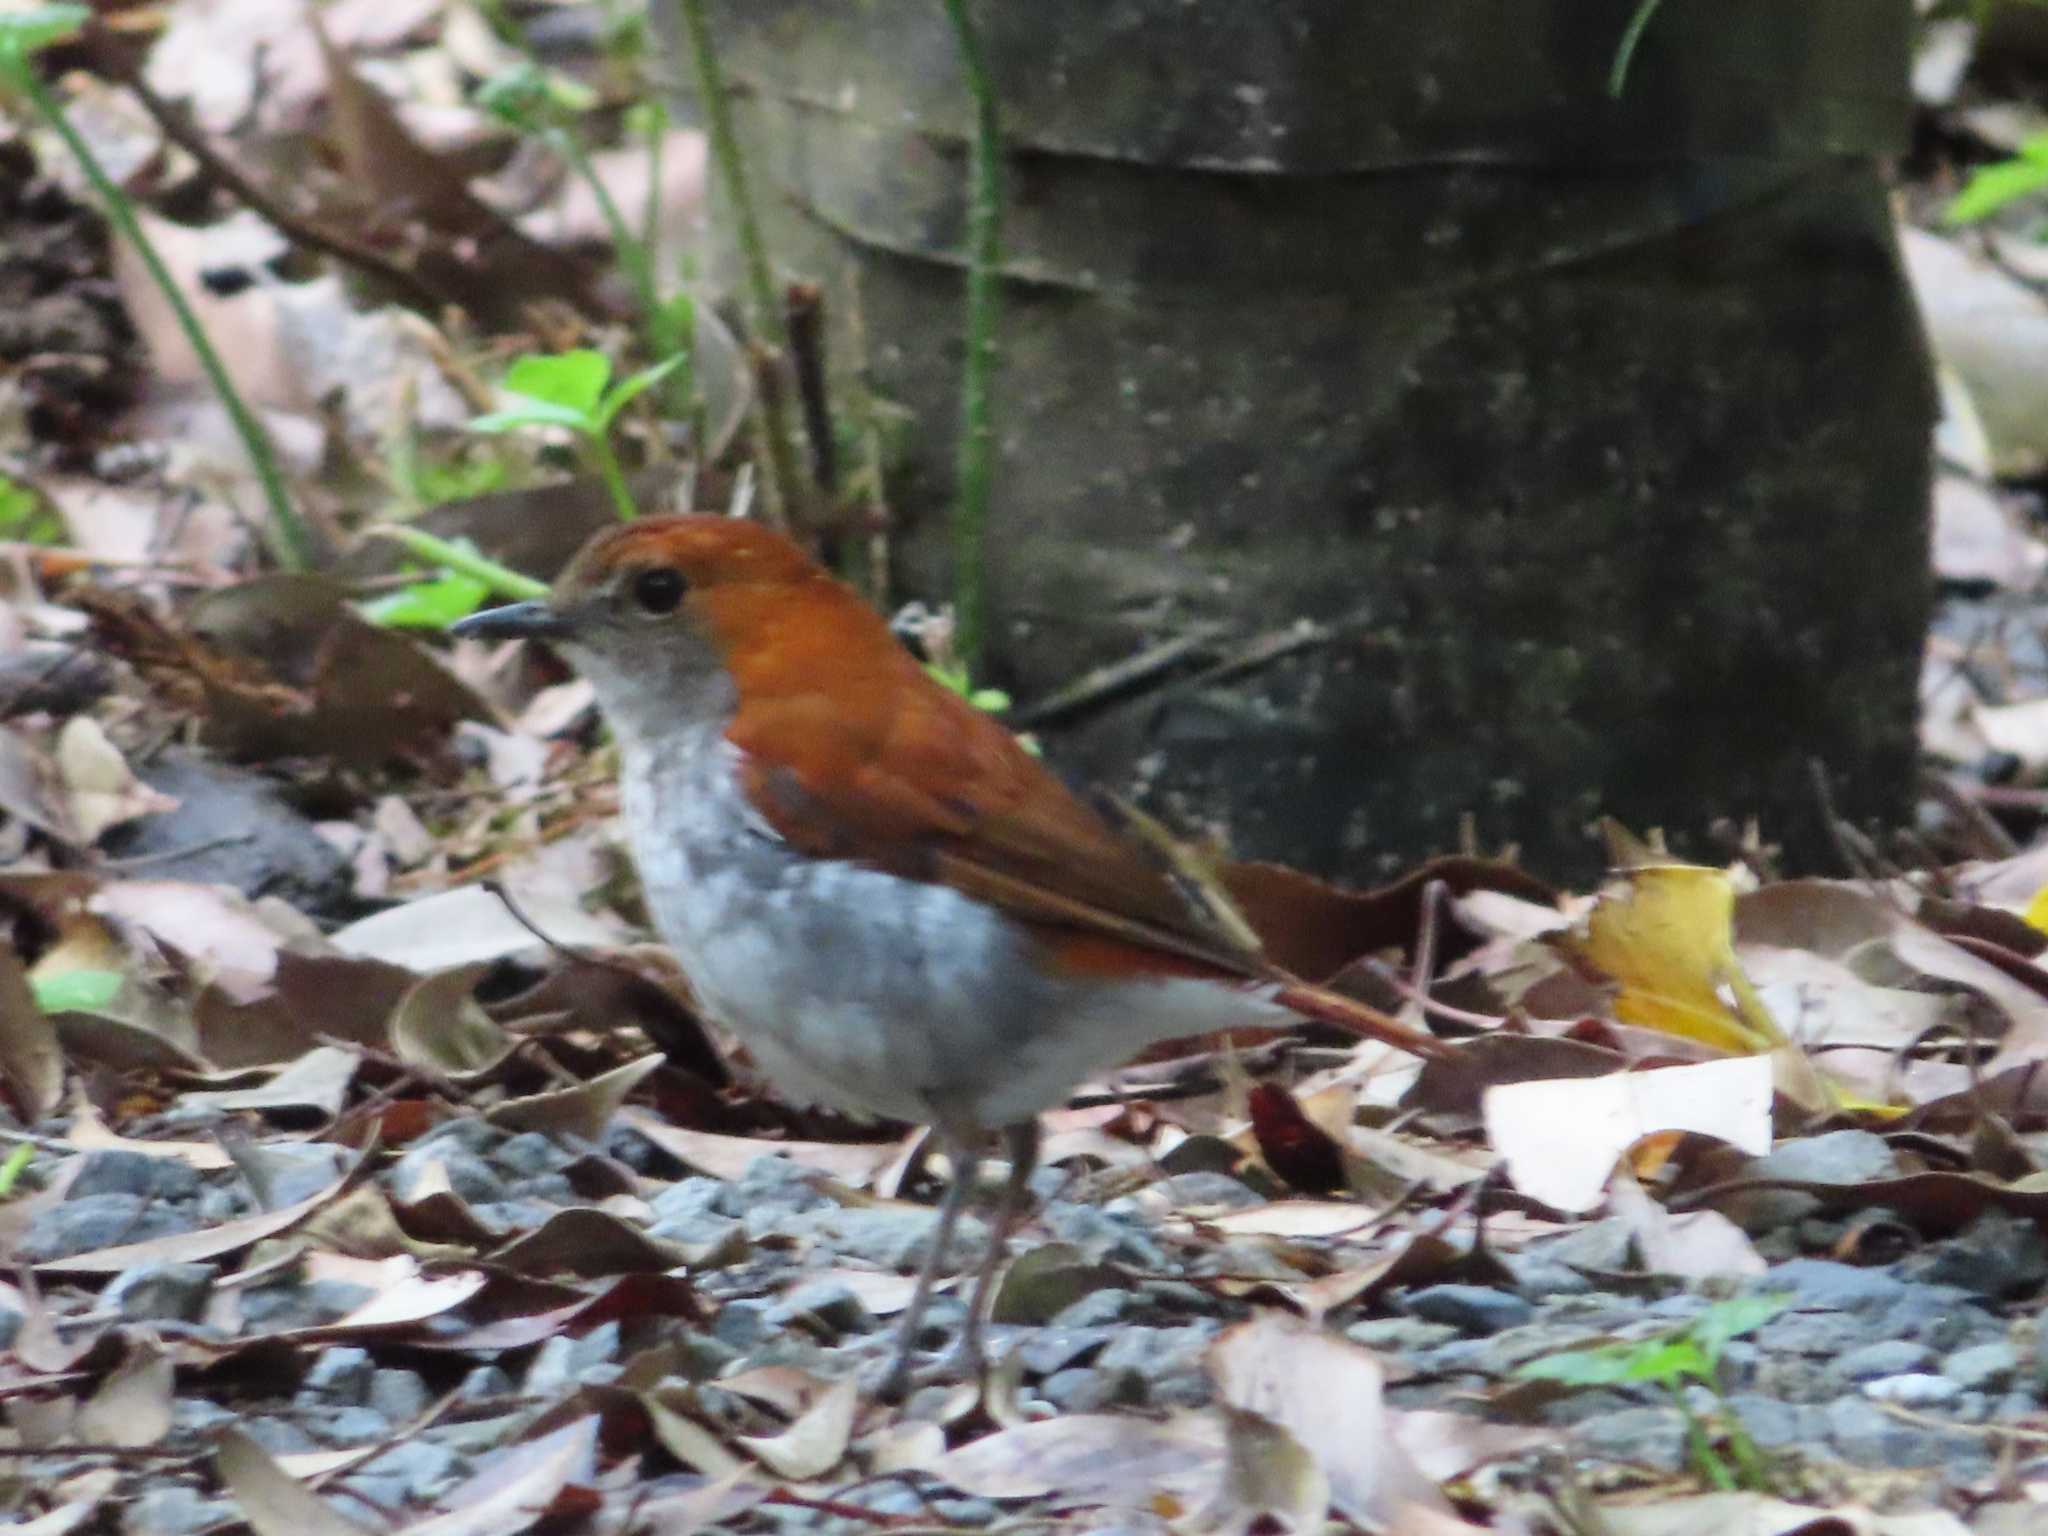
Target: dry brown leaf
[99, 786]
[1328, 1394]
[464, 926]
[1267, 1475]
[318, 1080]
[132, 1406]
[273, 1501]
[582, 1241]
[1695, 1245]
[1092, 1458]
[31, 1061]
[441, 1026]
[816, 1442]
[728, 1157]
[516, 1490]
[584, 1110]
[217, 930]
[1561, 1138]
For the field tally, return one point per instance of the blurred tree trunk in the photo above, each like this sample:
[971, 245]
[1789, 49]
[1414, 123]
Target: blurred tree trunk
[1532, 454]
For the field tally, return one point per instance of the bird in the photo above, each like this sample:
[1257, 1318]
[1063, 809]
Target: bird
[870, 882]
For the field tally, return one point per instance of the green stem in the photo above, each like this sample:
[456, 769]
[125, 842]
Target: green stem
[1625, 50]
[732, 171]
[975, 471]
[614, 477]
[501, 579]
[626, 245]
[650, 212]
[1704, 1456]
[291, 540]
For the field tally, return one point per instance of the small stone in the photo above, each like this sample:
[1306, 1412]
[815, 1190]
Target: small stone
[743, 1325]
[1602, 1247]
[1078, 1389]
[121, 1172]
[828, 1306]
[1538, 1276]
[280, 1437]
[175, 1510]
[700, 1231]
[773, 1184]
[1652, 1437]
[1886, 1357]
[892, 1237]
[399, 1395]
[1918, 1389]
[530, 1155]
[346, 1426]
[468, 1175]
[1164, 1366]
[1836, 1157]
[1996, 1257]
[1195, 1191]
[1943, 1317]
[339, 1374]
[1102, 1238]
[292, 1303]
[466, 1133]
[1983, 1367]
[1773, 1424]
[1865, 1434]
[1048, 1350]
[1812, 1333]
[415, 1471]
[1825, 1284]
[1098, 1309]
[1473, 1308]
[688, 1197]
[161, 1292]
[484, 1382]
[99, 1221]
[1401, 1335]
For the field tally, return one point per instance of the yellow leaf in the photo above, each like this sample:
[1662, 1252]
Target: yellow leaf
[2036, 915]
[1666, 937]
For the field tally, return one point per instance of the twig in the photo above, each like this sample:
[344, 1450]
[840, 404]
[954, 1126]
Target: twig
[732, 170]
[172, 122]
[771, 422]
[976, 460]
[1094, 686]
[807, 353]
[291, 540]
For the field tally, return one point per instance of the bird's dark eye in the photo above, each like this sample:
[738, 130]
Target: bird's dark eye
[658, 590]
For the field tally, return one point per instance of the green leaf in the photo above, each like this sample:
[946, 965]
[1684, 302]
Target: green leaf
[1731, 1319]
[76, 991]
[535, 413]
[23, 33]
[11, 1170]
[1992, 187]
[575, 379]
[431, 604]
[23, 515]
[618, 399]
[530, 98]
[1606, 1365]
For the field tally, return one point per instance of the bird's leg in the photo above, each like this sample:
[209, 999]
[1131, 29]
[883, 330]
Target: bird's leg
[1021, 1142]
[964, 1157]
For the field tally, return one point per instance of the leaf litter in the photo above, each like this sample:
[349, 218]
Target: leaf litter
[428, 1204]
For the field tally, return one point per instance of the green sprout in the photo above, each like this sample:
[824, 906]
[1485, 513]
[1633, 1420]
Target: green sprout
[22, 35]
[569, 389]
[76, 991]
[1688, 1354]
[2003, 182]
[13, 1166]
